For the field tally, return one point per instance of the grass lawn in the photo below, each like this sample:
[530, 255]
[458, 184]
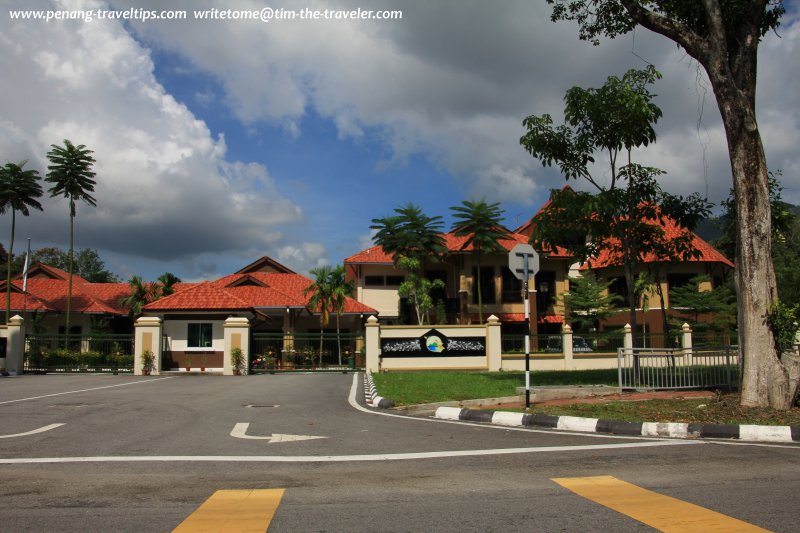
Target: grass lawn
[724, 409]
[408, 388]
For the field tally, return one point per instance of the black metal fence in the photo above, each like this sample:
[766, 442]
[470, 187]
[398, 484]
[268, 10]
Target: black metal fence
[306, 351]
[670, 369]
[553, 343]
[79, 353]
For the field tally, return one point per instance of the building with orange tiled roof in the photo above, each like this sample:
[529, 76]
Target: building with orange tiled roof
[671, 274]
[45, 298]
[377, 281]
[269, 295]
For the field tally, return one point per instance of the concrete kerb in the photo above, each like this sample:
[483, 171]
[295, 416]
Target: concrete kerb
[371, 394]
[675, 430]
[672, 430]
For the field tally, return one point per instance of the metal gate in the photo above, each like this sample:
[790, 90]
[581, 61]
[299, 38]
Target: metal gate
[272, 352]
[670, 369]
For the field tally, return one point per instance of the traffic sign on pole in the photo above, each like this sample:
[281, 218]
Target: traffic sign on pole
[523, 261]
[519, 257]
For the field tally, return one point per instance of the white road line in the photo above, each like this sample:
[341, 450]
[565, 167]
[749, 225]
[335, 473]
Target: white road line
[32, 432]
[340, 458]
[82, 390]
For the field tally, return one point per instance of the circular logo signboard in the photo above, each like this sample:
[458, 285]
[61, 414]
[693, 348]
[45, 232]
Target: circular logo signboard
[434, 344]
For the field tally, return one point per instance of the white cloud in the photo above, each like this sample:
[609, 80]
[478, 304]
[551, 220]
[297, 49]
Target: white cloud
[165, 187]
[304, 256]
[453, 81]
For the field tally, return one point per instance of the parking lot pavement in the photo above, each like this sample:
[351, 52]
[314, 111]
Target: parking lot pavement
[280, 415]
[143, 454]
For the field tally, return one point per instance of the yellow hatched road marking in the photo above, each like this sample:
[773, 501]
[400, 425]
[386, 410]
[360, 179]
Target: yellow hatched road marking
[656, 510]
[234, 511]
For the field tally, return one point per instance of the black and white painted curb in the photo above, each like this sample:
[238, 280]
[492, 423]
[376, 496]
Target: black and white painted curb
[642, 429]
[371, 394]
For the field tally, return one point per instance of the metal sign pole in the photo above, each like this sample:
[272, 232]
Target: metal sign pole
[527, 337]
[523, 261]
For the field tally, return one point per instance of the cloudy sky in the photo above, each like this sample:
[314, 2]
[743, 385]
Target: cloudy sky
[221, 141]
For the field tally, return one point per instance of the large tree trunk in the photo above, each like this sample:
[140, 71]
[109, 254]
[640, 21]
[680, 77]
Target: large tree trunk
[729, 55]
[766, 379]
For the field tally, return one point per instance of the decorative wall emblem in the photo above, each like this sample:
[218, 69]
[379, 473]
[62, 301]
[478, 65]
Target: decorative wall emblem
[434, 344]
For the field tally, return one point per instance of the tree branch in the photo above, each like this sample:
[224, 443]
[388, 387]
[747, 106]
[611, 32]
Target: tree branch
[694, 44]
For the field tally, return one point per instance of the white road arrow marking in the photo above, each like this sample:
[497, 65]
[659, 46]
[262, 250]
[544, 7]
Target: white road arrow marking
[240, 432]
[33, 432]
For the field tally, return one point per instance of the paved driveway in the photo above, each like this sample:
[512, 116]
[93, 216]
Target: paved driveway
[141, 454]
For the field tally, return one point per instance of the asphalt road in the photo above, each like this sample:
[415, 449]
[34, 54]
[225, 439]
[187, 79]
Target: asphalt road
[141, 454]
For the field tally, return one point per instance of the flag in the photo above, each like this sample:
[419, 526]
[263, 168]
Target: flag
[25, 274]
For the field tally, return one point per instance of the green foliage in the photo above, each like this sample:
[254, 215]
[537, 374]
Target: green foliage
[410, 233]
[148, 361]
[705, 311]
[588, 301]
[238, 360]
[782, 320]
[618, 116]
[70, 172]
[626, 218]
[141, 293]
[167, 282]
[320, 294]
[481, 223]
[609, 18]
[19, 190]
[86, 263]
[418, 288]
[328, 294]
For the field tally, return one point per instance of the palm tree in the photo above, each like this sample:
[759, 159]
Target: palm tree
[71, 174]
[167, 280]
[341, 289]
[320, 298]
[19, 190]
[480, 223]
[142, 293]
[410, 233]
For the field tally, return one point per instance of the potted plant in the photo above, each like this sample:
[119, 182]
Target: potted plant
[188, 362]
[148, 362]
[237, 361]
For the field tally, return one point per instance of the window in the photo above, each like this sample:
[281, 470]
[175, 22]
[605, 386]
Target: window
[512, 288]
[620, 288]
[545, 291]
[675, 281]
[487, 285]
[199, 335]
[373, 281]
[395, 281]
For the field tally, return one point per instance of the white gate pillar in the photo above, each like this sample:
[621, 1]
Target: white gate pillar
[147, 338]
[373, 342]
[237, 335]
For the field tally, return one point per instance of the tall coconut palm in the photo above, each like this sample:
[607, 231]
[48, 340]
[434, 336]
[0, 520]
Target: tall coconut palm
[341, 289]
[70, 172]
[320, 298]
[481, 223]
[19, 190]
